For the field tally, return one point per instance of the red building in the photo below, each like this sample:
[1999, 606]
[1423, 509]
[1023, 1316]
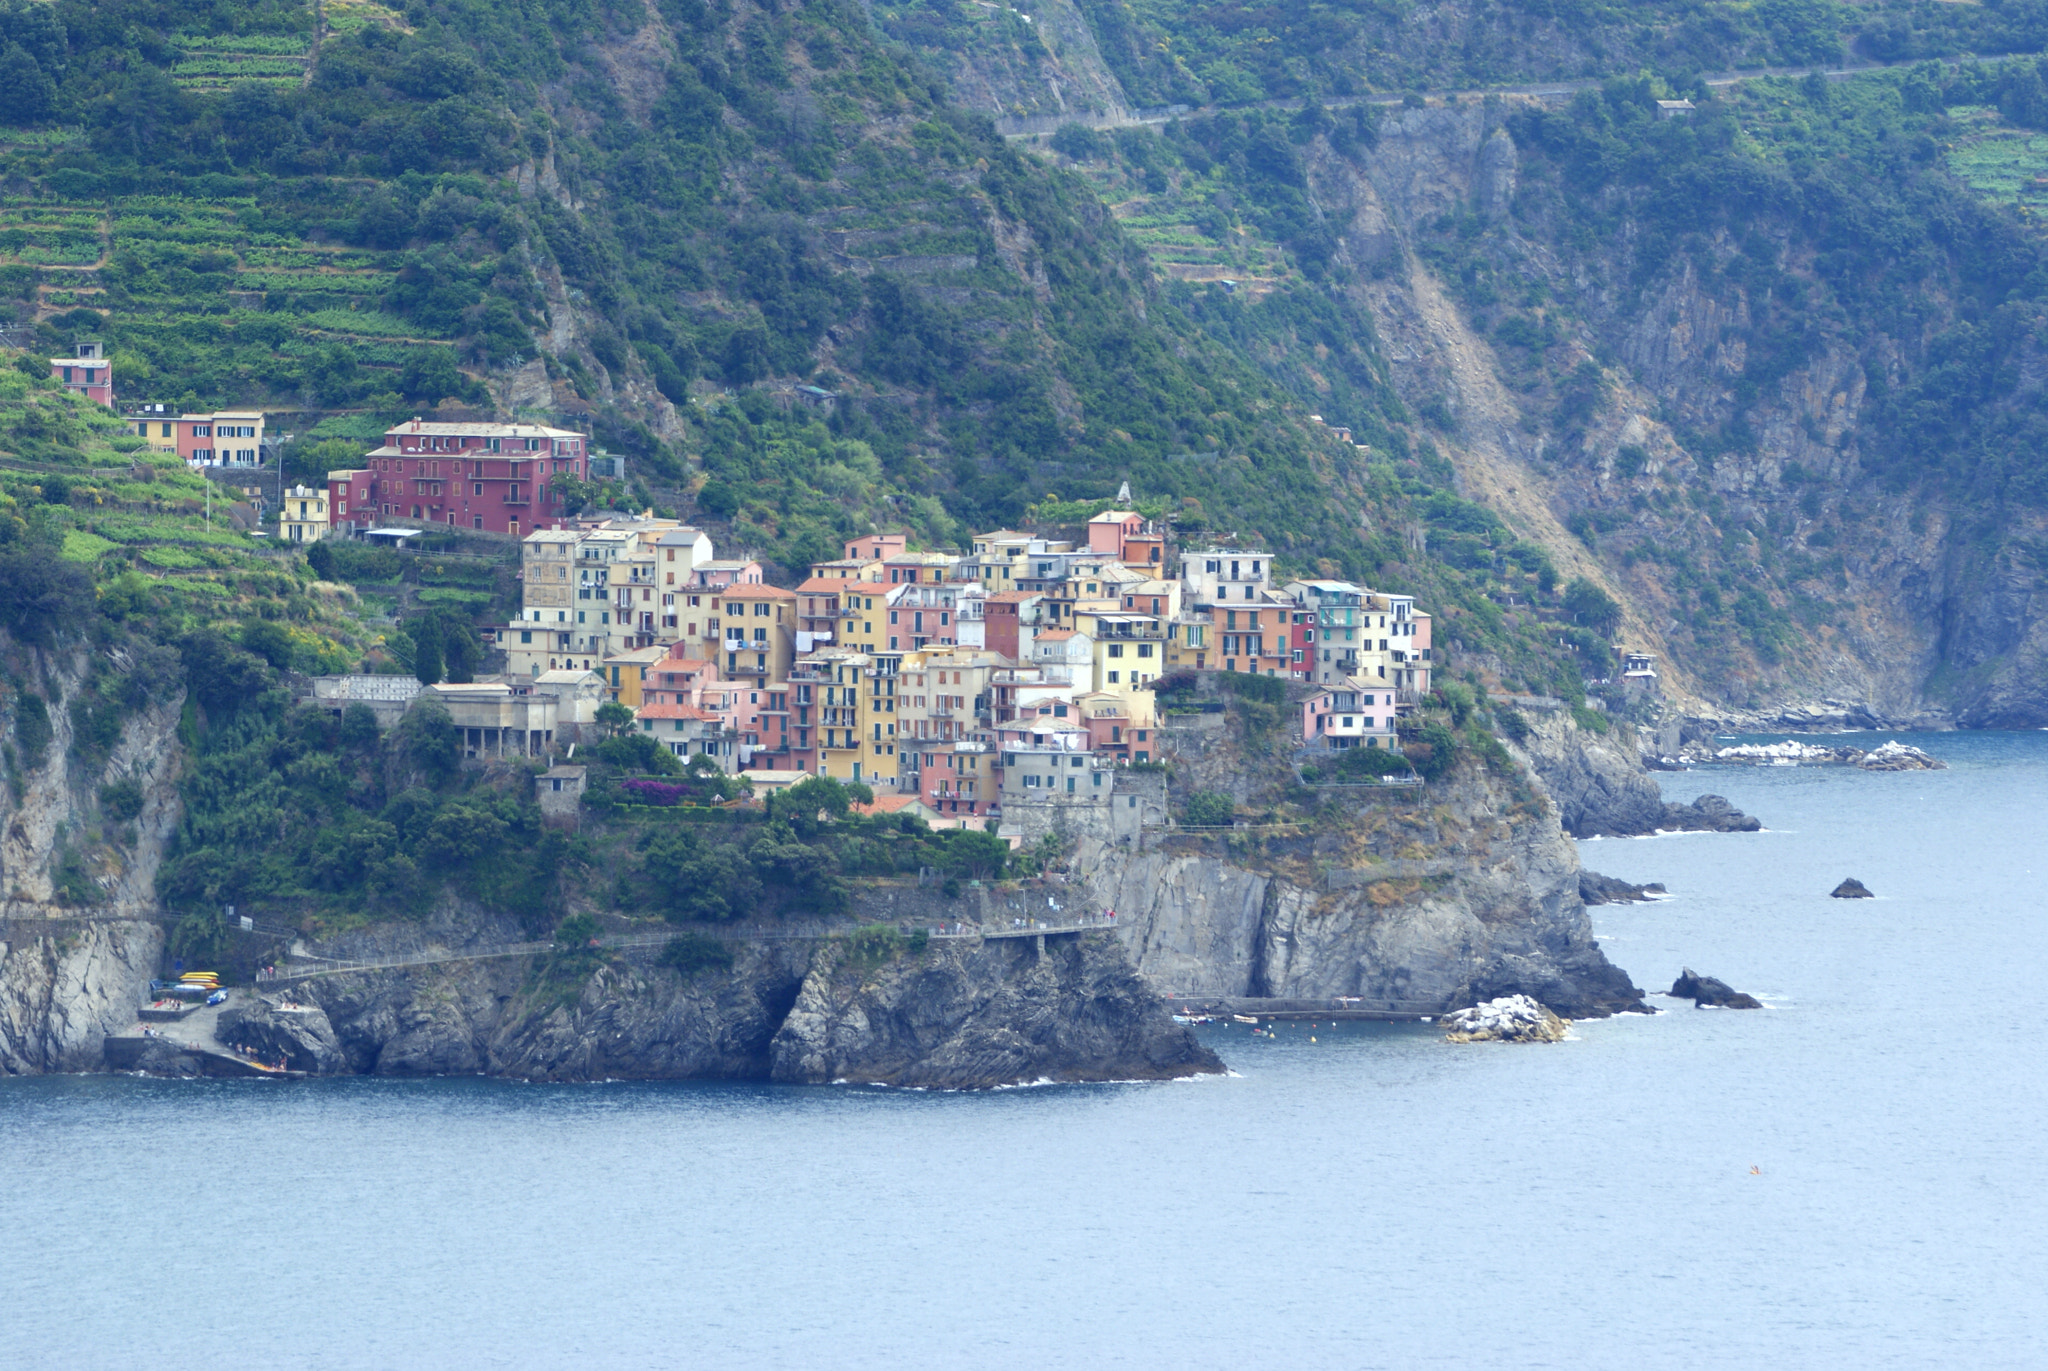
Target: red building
[494, 477]
[1002, 617]
[1302, 641]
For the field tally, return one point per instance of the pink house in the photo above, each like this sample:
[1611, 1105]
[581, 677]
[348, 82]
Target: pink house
[1107, 531]
[876, 547]
[88, 374]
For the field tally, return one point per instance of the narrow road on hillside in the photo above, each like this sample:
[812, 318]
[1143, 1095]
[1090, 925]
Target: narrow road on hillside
[1015, 128]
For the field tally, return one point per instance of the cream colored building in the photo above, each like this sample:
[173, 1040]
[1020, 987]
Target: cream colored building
[302, 516]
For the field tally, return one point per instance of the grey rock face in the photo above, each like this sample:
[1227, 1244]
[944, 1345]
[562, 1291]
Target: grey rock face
[960, 1014]
[62, 991]
[969, 1016]
[1432, 906]
[299, 1037]
[1597, 781]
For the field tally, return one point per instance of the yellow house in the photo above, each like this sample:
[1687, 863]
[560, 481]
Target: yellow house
[1189, 644]
[855, 708]
[303, 517]
[756, 633]
[625, 674]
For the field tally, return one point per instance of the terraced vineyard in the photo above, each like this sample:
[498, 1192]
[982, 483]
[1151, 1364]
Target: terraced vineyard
[147, 528]
[209, 292]
[1185, 232]
[214, 62]
[2007, 165]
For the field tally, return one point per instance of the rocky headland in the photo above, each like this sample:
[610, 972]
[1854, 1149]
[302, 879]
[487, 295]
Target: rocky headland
[1601, 787]
[1424, 899]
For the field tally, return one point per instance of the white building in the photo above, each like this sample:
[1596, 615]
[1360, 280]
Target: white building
[1217, 576]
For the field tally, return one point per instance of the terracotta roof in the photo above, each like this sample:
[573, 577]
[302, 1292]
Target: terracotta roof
[816, 584]
[1013, 596]
[888, 804]
[1054, 635]
[675, 712]
[752, 592]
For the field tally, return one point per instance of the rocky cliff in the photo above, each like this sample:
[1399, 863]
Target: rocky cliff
[64, 987]
[90, 801]
[1595, 780]
[954, 1015]
[1431, 899]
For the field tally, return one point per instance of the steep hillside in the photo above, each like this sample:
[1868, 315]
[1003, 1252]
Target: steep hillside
[1765, 374]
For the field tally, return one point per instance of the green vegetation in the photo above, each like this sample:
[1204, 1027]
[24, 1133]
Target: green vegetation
[1165, 51]
[1357, 765]
[690, 953]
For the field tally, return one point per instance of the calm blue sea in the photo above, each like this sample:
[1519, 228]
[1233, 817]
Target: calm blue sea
[1366, 1196]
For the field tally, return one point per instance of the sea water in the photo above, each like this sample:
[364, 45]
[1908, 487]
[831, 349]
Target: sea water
[1852, 1177]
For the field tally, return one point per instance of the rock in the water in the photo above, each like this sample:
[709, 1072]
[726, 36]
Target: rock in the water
[1897, 756]
[297, 1035]
[1706, 992]
[1511, 1019]
[1852, 889]
[1707, 814]
[1597, 889]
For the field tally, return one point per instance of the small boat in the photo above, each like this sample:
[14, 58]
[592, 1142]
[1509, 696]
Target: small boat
[1243, 1018]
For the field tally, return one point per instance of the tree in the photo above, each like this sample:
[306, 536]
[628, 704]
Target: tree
[430, 375]
[426, 650]
[428, 739]
[1590, 605]
[27, 94]
[614, 718]
[1209, 809]
[977, 856]
[223, 677]
[358, 726]
[40, 594]
[696, 880]
[1432, 750]
[269, 641]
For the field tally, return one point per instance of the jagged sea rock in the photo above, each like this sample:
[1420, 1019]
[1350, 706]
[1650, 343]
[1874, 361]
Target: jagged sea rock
[1707, 814]
[1511, 1019]
[1707, 993]
[1595, 888]
[1852, 889]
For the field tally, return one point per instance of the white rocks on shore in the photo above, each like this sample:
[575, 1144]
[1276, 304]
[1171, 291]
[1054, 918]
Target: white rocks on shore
[1896, 756]
[1892, 756]
[1511, 1019]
